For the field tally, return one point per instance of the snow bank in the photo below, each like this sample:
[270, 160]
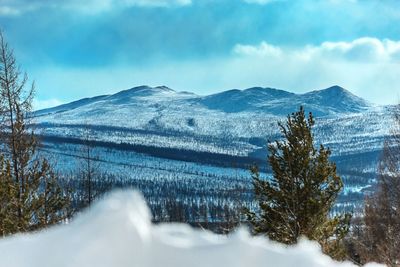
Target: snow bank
[117, 232]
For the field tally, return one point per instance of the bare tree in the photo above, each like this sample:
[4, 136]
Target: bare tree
[28, 182]
[89, 167]
[378, 237]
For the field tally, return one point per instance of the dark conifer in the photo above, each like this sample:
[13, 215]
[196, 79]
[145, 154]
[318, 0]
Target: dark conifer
[298, 199]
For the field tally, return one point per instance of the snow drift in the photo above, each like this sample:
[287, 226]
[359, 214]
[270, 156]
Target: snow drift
[118, 232]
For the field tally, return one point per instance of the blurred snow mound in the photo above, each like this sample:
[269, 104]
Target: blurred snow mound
[117, 232]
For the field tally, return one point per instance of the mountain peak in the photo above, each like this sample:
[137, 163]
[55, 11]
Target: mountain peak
[140, 91]
[336, 89]
[269, 92]
[149, 88]
[336, 98]
[164, 88]
[333, 90]
[336, 92]
[244, 100]
[329, 101]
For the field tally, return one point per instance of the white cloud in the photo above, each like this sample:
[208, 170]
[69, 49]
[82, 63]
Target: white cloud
[360, 50]
[8, 11]
[18, 7]
[261, 2]
[155, 2]
[367, 66]
[98, 6]
[104, 5]
[264, 2]
[264, 49]
[363, 49]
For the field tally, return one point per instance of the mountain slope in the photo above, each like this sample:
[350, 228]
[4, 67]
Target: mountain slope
[251, 99]
[158, 133]
[235, 122]
[336, 99]
[69, 106]
[130, 96]
[330, 101]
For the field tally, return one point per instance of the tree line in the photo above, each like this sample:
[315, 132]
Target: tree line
[297, 201]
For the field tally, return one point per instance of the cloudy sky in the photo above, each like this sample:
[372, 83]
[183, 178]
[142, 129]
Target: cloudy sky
[75, 49]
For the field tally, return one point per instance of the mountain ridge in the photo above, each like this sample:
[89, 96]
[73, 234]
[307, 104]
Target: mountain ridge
[157, 132]
[328, 101]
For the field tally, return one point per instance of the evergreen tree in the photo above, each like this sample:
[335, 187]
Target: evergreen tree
[297, 200]
[30, 194]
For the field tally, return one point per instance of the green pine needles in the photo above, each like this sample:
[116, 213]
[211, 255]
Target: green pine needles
[297, 200]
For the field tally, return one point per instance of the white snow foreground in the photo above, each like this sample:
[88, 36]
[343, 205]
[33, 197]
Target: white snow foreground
[117, 232]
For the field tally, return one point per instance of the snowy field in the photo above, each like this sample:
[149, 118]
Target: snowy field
[117, 232]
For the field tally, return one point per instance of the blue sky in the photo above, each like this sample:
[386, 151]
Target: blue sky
[75, 49]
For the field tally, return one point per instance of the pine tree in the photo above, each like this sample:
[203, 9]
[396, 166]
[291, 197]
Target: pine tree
[297, 200]
[31, 196]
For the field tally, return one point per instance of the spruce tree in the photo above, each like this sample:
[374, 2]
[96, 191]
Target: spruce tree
[30, 195]
[298, 198]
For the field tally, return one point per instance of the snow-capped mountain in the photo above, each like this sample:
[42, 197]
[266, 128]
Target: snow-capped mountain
[330, 101]
[234, 122]
[159, 133]
[130, 96]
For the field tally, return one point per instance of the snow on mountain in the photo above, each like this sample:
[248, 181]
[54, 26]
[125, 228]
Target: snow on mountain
[118, 232]
[69, 106]
[336, 99]
[142, 93]
[230, 122]
[330, 101]
[251, 99]
[222, 130]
